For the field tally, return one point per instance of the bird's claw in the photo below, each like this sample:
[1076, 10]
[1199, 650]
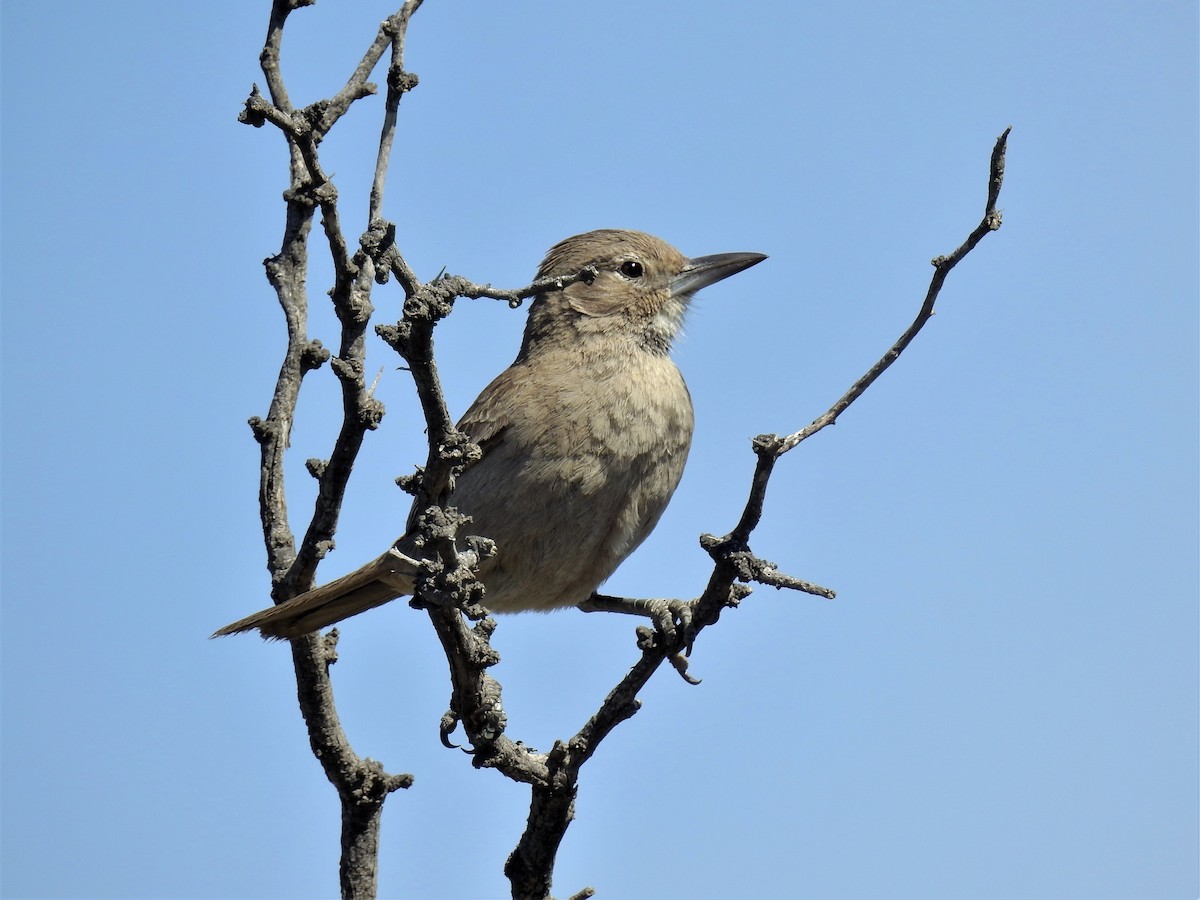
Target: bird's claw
[673, 620]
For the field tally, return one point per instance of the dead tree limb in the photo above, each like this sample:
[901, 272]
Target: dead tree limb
[448, 589]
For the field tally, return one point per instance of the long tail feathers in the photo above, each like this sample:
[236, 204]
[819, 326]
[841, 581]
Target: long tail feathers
[383, 579]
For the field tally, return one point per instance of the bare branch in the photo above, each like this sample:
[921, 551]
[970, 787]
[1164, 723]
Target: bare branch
[769, 447]
[461, 287]
[258, 110]
[399, 83]
[362, 784]
[286, 271]
[749, 567]
[392, 32]
[943, 265]
[551, 809]
[270, 56]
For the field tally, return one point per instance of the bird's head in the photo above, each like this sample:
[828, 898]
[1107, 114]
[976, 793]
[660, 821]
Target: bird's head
[642, 288]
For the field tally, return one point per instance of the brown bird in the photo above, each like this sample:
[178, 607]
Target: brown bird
[584, 438]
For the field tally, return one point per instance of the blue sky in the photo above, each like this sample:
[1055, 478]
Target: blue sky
[1002, 701]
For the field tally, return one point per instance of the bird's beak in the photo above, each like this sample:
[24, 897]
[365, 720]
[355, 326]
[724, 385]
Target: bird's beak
[705, 270]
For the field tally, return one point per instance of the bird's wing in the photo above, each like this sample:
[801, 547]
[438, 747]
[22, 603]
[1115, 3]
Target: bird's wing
[484, 423]
[491, 413]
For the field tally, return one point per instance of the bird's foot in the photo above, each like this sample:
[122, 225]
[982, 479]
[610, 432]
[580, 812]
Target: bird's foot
[673, 631]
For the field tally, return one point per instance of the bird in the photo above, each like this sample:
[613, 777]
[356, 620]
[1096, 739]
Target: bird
[584, 438]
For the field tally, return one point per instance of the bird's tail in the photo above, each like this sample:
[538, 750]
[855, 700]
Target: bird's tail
[383, 579]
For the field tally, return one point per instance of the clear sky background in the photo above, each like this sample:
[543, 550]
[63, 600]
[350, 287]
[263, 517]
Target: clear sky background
[1002, 701]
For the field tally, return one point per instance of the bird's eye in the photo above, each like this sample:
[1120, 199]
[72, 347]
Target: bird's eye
[631, 268]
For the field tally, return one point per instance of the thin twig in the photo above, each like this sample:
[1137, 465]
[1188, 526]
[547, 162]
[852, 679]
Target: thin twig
[769, 447]
[392, 32]
[943, 264]
[270, 56]
[399, 83]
